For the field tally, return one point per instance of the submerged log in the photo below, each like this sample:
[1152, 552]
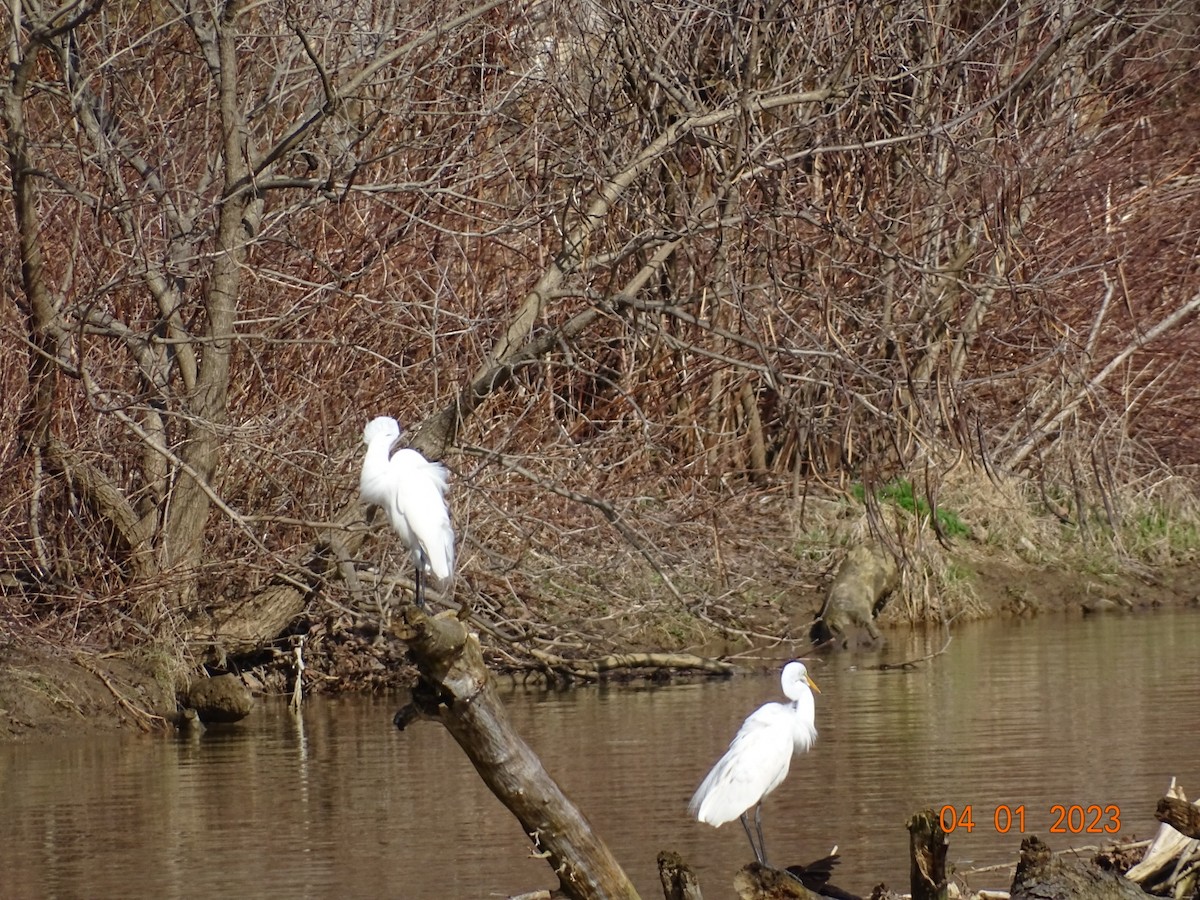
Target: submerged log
[1041, 875]
[866, 579]
[758, 882]
[458, 690]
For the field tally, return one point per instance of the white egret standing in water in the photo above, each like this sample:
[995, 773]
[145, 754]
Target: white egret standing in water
[758, 758]
[412, 492]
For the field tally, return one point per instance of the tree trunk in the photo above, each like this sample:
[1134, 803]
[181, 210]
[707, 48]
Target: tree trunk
[241, 212]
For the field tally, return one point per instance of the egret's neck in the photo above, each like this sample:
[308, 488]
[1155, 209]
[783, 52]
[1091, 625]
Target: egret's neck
[377, 450]
[374, 464]
[804, 731]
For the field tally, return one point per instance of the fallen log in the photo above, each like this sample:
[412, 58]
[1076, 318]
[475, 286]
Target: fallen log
[861, 588]
[457, 689]
[595, 669]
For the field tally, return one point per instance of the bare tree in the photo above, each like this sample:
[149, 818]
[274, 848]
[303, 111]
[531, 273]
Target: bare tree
[618, 261]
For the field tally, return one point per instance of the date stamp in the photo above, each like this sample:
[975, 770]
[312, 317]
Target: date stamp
[1064, 819]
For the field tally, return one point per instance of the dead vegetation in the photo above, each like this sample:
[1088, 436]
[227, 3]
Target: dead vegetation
[688, 298]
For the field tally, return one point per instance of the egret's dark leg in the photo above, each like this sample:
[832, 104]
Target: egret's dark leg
[420, 592]
[750, 838]
[762, 845]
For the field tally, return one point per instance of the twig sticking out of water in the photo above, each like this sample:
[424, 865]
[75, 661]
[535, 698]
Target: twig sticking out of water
[298, 685]
[913, 663]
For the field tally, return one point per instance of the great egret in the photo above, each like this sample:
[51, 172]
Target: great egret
[758, 758]
[412, 492]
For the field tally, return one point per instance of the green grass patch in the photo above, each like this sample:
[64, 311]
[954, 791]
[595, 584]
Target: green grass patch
[1159, 530]
[902, 495]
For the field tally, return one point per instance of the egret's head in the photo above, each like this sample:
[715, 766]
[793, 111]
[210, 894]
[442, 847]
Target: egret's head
[380, 428]
[794, 675]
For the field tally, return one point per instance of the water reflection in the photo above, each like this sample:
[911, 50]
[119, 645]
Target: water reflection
[1034, 715]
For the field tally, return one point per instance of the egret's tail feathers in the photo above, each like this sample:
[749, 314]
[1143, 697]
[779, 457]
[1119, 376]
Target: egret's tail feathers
[702, 810]
[436, 555]
[442, 566]
[439, 475]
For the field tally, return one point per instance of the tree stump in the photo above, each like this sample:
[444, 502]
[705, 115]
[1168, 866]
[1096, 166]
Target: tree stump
[1041, 875]
[927, 856]
[678, 880]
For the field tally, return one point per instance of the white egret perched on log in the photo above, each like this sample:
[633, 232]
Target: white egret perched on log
[758, 758]
[412, 492]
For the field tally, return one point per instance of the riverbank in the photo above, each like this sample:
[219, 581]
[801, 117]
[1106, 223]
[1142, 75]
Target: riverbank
[47, 691]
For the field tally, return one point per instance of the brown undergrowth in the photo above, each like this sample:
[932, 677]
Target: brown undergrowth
[743, 583]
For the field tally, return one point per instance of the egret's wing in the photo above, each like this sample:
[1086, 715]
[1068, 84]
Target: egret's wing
[420, 470]
[755, 763]
[419, 498]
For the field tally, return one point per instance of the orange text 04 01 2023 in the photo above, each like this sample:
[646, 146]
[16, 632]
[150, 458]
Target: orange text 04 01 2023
[1073, 818]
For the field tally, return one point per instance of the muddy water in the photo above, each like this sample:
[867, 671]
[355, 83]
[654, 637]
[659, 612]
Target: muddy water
[1013, 721]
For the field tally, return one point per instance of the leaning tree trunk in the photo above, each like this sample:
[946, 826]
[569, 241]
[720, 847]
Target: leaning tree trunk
[457, 689]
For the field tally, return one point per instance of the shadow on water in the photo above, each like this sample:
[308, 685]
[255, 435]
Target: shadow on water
[1016, 717]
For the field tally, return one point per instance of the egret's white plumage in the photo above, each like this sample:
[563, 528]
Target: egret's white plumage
[412, 492]
[759, 756]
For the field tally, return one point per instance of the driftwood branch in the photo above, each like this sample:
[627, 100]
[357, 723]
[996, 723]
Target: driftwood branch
[907, 664]
[1173, 857]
